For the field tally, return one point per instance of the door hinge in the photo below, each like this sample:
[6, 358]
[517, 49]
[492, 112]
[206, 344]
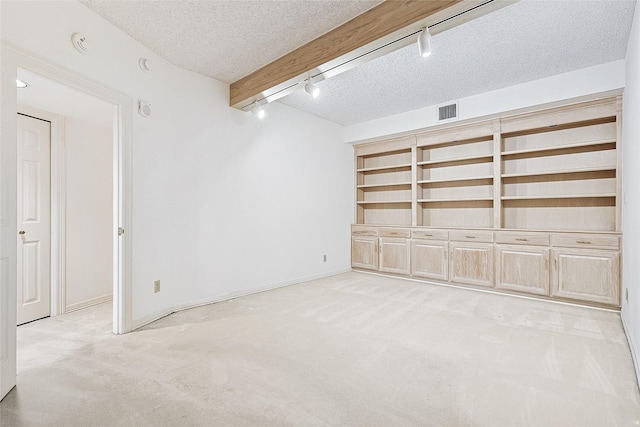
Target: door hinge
[120, 231]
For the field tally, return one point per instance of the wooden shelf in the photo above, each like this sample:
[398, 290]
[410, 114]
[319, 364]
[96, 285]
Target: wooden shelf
[394, 184]
[477, 199]
[558, 172]
[560, 196]
[382, 202]
[549, 169]
[384, 168]
[456, 180]
[459, 160]
[563, 149]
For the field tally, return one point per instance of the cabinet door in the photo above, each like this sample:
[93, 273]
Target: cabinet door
[523, 269]
[394, 255]
[364, 252]
[471, 263]
[429, 259]
[587, 275]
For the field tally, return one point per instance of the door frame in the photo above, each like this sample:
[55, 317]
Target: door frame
[12, 59]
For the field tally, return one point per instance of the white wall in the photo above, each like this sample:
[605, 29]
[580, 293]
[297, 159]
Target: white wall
[586, 81]
[222, 203]
[89, 188]
[631, 191]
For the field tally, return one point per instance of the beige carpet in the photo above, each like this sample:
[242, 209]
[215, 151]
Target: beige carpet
[351, 350]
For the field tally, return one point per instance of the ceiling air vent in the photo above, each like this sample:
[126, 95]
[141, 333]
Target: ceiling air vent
[448, 112]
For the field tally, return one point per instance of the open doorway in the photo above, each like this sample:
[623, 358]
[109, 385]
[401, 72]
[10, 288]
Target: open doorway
[12, 60]
[65, 176]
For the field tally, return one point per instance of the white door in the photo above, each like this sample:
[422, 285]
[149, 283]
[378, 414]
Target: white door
[34, 219]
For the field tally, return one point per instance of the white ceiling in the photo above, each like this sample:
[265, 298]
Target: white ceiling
[526, 41]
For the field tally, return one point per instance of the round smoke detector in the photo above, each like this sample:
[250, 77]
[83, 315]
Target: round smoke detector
[79, 41]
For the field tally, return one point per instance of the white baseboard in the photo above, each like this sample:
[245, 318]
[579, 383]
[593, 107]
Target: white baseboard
[634, 350]
[145, 320]
[88, 303]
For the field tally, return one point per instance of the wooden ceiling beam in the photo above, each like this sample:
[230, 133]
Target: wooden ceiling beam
[363, 38]
[386, 18]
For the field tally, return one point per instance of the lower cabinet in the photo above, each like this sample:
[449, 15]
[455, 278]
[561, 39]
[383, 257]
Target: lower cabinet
[523, 269]
[583, 267]
[471, 263]
[394, 255]
[429, 259]
[364, 252]
[587, 275]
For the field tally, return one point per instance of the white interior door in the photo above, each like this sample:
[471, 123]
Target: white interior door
[34, 219]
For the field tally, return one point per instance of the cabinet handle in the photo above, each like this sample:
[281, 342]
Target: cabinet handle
[546, 264]
[393, 233]
[584, 242]
[521, 239]
[427, 235]
[470, 237]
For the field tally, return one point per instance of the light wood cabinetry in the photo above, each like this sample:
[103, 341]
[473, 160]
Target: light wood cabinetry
[430, 259]
[523, 268]
[454, 178]
[364, 247]
[471, 263]
[528, 202]
[394, 255]
[522, 262]
[384, 187]
[587, 275]
[586, 267]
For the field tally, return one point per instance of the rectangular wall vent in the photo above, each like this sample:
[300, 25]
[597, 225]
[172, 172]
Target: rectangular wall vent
[447, 112]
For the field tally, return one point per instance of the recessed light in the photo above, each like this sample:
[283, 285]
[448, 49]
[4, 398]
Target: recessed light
[21, 84]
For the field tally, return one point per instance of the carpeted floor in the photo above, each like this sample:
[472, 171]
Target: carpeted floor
[350, 350]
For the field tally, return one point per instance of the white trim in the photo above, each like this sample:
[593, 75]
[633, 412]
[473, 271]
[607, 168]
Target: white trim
[122, 178]
[488, 291]
[634, 350]
[88, 303]
[58, 207]
[138, 323]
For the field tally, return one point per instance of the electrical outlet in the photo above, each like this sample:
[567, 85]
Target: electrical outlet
[324, 258]
[156, 286]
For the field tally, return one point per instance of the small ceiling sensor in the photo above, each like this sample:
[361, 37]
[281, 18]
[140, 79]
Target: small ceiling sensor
[144, 109]
[79, 41]
[145, 64]
[21, 84]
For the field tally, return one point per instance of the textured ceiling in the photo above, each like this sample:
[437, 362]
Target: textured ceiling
[526, 41]
[226, 40]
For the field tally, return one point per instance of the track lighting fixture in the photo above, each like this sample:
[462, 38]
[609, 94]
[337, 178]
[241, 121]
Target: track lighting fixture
[312, 89]
[424, 42]
[258, 110]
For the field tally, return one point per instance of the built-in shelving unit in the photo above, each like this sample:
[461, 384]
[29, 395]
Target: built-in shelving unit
[454, 180]
[555, 169]
[384, 187]
[527, 202]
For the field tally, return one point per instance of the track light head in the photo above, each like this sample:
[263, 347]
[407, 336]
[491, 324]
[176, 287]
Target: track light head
[312, 89]
[258, 110]
[424, 42]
